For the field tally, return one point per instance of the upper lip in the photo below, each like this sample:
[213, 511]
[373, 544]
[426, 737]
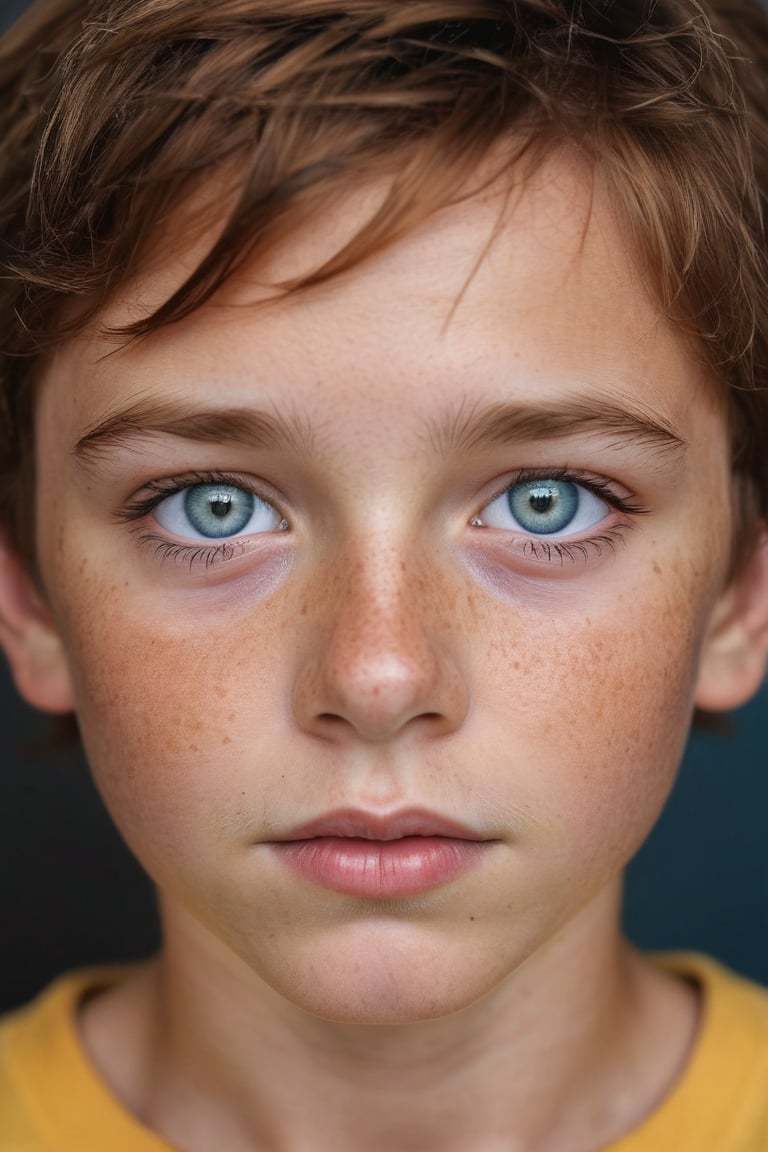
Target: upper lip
[359, 824]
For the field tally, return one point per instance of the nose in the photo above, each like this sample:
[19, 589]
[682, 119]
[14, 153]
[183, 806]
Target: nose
[379, 656]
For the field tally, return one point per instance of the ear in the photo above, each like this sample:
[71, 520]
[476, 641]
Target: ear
[733, 657]
[30, 639]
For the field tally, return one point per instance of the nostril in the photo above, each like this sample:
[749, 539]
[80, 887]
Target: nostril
[331, 725]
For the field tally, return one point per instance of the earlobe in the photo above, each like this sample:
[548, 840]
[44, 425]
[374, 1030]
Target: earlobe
[31, 640]
[735, 649]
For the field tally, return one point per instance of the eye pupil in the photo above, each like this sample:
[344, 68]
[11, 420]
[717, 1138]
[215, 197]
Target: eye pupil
[541, 501]
[221, 506]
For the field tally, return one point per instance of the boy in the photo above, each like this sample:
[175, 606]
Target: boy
[390, 379]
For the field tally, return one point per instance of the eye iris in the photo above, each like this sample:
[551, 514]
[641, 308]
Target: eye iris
[544, 506]
[218, 510]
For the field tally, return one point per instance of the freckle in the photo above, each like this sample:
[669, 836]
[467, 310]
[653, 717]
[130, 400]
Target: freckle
[194, 748]
[220, 692]
[227, 740]
[516, 665]
[231, 716]
[656, 568]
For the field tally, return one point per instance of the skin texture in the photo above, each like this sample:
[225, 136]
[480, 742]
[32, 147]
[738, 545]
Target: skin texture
[384, 646]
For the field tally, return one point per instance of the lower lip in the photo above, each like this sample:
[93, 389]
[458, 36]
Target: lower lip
[381, 869]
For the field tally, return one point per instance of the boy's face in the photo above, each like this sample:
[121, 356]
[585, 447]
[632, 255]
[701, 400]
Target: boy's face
[383, 629]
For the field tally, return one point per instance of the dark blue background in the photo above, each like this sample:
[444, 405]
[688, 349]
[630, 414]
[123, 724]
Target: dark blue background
[10, 9]
[71, 894]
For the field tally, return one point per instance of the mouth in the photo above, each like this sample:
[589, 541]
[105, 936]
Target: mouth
[381, 857]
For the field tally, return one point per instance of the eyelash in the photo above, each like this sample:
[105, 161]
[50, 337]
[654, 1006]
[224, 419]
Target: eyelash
[536, 548]
[548, 552]
[191, 554]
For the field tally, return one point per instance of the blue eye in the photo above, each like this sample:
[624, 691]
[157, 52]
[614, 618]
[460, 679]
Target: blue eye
[216, 512]
[545, 507]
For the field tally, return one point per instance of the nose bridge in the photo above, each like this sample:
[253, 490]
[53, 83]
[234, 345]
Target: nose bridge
[382, 615]
[380, 657]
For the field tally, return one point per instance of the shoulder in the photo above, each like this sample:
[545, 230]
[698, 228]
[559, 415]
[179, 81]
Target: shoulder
[720, 1103]
[735, 1009]
[46, 1083]
[24, 1053]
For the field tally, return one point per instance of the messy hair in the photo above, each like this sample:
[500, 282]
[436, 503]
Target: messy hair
[115, 112]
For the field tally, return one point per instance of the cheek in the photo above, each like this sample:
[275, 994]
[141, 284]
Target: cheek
[178, 713]
[595, 702]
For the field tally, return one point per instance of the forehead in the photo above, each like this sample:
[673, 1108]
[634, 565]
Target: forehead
[526, 286]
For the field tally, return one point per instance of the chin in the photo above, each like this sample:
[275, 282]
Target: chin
[387, 979]
[387, 1002]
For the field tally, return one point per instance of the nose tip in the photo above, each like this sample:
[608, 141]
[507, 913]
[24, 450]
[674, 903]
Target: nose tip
[378, 663]
[382, 695]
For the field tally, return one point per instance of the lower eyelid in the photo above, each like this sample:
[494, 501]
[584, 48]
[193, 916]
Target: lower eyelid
[519, 554]
[191, 553]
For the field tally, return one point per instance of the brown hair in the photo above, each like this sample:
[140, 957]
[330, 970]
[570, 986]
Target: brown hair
[114, 111]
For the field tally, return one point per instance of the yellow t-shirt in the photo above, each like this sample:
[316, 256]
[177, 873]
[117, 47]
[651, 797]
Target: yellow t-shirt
[51, 1099]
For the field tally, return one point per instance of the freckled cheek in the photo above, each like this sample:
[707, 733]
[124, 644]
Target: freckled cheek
[597, 707]
[175, 720]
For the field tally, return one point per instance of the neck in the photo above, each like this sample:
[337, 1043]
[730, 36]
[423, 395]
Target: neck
[572, 1050]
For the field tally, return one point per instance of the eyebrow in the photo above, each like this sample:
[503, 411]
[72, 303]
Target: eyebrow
[474, 427]
[471, 428]
[151, 417]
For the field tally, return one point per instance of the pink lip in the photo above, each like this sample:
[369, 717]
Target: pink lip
[381, 857]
